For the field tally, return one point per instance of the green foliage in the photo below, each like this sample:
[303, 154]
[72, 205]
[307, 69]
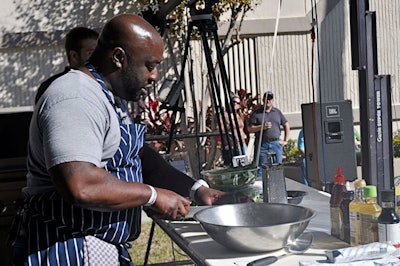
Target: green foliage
[396, 144]
[291, 154]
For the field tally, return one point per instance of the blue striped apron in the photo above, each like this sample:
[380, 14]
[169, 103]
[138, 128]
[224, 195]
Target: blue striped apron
[57, 228]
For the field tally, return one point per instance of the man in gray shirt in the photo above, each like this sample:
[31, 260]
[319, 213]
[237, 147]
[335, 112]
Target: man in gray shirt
[271, 130]
[89, 170]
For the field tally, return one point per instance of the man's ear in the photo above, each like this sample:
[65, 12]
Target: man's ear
[73, 58]
[118, 57]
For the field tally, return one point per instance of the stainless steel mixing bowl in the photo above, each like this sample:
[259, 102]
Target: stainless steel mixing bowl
[254, 227]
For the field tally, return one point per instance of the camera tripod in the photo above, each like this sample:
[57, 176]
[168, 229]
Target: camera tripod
[206, 25]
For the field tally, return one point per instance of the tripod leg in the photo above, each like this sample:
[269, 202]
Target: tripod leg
[215, 93]
[181, 79]
[225, 84]
[171, 132]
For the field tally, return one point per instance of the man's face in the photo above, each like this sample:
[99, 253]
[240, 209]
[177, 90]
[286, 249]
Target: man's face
[132, 82]
[140, 72]
[80, 57]
[269, 100]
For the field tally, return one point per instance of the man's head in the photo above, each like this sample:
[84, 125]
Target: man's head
[127, 55]
[268, 95]
[80, 43]
[269, 98]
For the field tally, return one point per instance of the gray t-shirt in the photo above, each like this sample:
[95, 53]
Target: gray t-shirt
[276, 118]
[73, 121]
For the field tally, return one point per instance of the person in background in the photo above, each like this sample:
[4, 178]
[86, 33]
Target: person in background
[301, 147]
[357, 146]
[241, 122]
[79, 45]
[273, 120]
[357, 140]
[89, 171]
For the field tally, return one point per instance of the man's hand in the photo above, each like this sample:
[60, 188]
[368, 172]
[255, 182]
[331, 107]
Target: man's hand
[170, 205]
[267, 125]
[283, 142]
[207, 196]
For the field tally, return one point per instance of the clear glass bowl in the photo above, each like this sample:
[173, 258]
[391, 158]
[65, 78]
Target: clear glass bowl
[228, 179]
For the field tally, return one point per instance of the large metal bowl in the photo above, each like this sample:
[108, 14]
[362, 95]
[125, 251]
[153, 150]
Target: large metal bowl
[254, 227]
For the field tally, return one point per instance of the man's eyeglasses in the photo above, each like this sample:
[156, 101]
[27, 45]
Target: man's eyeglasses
[269, 99]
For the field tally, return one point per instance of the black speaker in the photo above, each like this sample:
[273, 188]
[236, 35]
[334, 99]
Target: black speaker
[329, 142]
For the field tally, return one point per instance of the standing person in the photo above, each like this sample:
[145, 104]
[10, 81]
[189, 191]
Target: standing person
[302, 150]
[273, 120]
[241, 122]
[80, 43]
[237, 111]
[357, 146]
[89, 172]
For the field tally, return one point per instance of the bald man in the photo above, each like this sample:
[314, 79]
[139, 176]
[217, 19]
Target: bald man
[89, 172]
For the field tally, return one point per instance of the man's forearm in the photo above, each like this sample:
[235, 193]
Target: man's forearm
[159, 173]
[254, 129]
[287, 131]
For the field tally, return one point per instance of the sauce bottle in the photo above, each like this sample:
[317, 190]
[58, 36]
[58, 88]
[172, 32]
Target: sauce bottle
[354, 212]
[369, 212]
[388, 221]
[348, 196]
[336, 198]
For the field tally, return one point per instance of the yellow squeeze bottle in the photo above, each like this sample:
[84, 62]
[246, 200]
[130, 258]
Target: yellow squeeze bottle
[354, 212]
[369, 211]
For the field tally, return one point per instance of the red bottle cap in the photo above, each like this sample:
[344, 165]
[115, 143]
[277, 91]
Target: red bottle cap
[339, 178]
